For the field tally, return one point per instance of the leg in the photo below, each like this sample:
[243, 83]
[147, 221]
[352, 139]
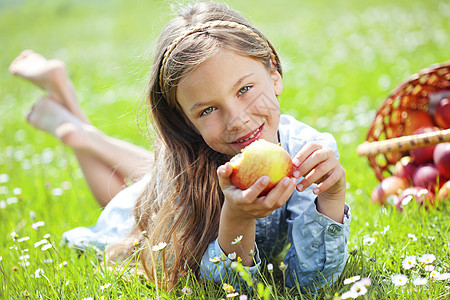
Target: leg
[103, 159]
[105, 169]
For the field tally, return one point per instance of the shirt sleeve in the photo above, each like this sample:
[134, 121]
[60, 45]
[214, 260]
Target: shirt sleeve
[216, 266]
[319, 250]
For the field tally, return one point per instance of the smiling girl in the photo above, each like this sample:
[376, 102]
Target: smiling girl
[213, 90]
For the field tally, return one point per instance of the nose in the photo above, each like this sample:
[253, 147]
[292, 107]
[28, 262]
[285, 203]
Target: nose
[238, 117]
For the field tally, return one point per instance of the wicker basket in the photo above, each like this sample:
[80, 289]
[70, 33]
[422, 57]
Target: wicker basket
[386, 141]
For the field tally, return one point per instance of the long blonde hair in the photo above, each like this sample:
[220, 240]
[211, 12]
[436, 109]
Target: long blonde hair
[181, 204]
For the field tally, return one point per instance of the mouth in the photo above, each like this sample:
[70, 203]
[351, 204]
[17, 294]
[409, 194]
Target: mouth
[249, 138]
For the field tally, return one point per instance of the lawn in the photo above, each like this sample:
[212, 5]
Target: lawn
[340, 58]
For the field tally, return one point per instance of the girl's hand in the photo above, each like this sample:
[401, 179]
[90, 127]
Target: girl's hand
[246, 204]
[318, 164]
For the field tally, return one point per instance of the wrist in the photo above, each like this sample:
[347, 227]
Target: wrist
[332, 207]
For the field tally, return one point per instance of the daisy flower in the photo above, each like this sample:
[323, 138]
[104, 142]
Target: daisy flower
[232, 255]
[359, 288]
[237, 240]
[399, 279]
[215, 260]
[412, 237]
[38, 273]
[352, 279]
[40, 243]
[420, 281]
[232, 295]
[270, 267]
[159, 247]
[187, 291]
[427, 258]
[435, 274]
[243, 297]
[443, 276]
[409, 262]
[103, 287]
[368, 241]
[23, 239]
[36, 225]
[46, 247]
[349, 294]
[283, 266]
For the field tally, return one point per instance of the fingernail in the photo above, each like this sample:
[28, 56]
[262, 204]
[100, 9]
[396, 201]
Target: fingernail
[316, 191]
[300, 187]
[296, 174]
[296, 162]
[286, 181]
[265, 180]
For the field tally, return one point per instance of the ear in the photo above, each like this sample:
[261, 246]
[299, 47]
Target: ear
[277, 81]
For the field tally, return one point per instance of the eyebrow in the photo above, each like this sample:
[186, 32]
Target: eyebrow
[199, 104]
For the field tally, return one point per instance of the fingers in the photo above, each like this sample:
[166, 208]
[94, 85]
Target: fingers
[303, 160]
[278, 195]
[224, 173]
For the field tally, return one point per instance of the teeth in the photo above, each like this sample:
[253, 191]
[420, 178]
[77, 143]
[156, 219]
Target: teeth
[250, 137]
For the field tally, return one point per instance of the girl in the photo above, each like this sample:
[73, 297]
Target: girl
[213, 90]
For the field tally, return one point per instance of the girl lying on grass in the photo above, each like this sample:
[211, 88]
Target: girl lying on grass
[213, 90]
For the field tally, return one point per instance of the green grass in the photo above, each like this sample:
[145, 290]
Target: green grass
[340, 58]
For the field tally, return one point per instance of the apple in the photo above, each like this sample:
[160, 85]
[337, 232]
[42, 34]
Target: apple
[389, 186]
[414, 120]
[258, 159]
[427, 176]
[424, 154]
[444, 191]
[420, 194]
[441, 158]
[405, 168]
[442, 113]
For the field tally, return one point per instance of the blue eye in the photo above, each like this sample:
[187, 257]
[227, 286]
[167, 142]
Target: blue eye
[207, 111]
[244, 90]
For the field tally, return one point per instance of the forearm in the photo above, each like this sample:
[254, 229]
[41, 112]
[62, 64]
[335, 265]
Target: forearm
[232, 226]
[332, 207]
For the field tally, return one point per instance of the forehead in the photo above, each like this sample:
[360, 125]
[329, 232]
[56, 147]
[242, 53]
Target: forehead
[215, 76]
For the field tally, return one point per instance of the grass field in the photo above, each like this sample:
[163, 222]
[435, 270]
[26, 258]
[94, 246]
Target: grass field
[340, 59]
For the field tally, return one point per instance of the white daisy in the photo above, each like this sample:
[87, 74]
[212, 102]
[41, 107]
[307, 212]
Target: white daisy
[409, 262]
[352, 279]
[427, 258]
[399, 279]
[420, 281]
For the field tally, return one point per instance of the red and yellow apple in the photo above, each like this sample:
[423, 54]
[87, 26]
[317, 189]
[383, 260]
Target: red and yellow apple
[428, 176]
[258, 159]
[442, 113]
[415, 119]
[424, 154]
[441, 158]
[444, 191]
[389, 186]
[421, 195]
[405, 168]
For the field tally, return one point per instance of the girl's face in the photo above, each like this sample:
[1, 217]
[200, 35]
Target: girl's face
[232, 101]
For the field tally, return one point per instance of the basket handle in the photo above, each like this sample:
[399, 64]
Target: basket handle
[404, 143]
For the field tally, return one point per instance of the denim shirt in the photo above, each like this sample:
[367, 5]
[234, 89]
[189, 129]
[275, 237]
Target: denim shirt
[318, 250]
[318, 244]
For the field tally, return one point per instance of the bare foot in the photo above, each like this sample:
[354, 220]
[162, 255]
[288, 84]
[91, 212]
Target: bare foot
[53, 118]
[46, 74]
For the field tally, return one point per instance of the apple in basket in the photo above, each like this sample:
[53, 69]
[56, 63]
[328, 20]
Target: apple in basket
[421, 195]
[415, 119]
[441, 158]
[427, 176]
[424, 154]
[444, 191]
[405, 168]
[442, 113]
[389, 186]
[258, 159]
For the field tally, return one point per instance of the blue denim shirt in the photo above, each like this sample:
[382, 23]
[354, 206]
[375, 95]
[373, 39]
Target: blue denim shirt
[318, 250]
[318, 244]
